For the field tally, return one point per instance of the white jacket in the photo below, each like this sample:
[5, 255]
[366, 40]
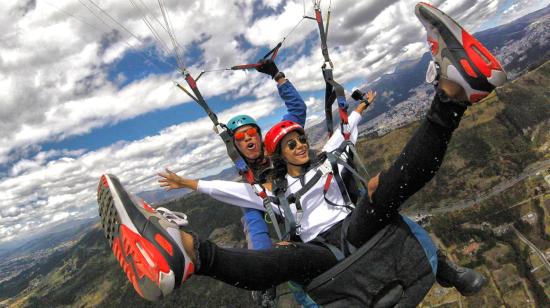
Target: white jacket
[318, 215]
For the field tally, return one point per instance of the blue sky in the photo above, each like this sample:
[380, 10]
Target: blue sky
[87, 102]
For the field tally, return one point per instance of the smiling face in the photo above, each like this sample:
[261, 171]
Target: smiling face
[250, 144]
[294, 149]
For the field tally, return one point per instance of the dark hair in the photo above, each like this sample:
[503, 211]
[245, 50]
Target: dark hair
[279, 165]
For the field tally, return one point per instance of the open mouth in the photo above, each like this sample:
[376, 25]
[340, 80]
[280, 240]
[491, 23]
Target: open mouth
[301, 153]
[251, 146]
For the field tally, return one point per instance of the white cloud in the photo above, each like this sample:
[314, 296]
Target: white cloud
[47, 191]
[270, 29]
[522, 7]
[54, 74]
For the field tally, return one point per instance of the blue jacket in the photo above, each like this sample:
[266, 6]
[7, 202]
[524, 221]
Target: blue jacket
[255, 228]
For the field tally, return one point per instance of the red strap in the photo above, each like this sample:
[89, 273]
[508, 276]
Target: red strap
[191, 82]
[249, 177]
[343, 115]
[327, 182]
[318, 16]
[245, 66]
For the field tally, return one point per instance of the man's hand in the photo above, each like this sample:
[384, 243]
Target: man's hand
[170, 181]
[268, 67]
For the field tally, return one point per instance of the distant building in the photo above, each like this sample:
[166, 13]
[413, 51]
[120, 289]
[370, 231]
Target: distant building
[470, 249]
[530, 218]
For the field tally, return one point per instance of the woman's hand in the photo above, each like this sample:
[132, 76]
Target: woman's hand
[370, 97]
[170, 181]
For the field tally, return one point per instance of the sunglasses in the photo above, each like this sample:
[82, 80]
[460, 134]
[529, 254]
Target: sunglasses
[250, 132]
[292, 144]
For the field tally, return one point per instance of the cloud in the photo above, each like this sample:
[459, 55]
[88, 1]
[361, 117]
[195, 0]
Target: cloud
[63, 85]
[44, 191]
[519, 8]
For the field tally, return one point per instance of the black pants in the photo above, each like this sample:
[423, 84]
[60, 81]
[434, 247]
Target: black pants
[301, 262]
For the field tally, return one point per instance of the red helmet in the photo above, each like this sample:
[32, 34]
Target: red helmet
[277, 132]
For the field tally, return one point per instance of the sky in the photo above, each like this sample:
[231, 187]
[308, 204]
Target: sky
[87, 88]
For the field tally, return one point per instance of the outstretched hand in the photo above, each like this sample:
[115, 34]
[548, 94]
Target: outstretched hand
[369, 98]
[169, 180]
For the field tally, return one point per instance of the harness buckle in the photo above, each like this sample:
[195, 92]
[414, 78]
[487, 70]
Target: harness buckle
[218, 129]
[326, 167]
[299, 215]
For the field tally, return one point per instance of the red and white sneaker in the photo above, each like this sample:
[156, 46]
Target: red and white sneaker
[146, 243]
[458, 55]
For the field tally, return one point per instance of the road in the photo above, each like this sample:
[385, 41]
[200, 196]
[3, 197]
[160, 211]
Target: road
[535, 248]
[497, 189]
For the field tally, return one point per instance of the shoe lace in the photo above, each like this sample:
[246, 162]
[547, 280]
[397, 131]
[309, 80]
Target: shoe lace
[177, 218]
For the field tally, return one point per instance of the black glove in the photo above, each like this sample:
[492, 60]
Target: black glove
[268, 67]
[358, 95]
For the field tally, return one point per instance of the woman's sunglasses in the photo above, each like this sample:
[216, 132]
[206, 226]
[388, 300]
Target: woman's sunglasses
[250, 132]
[292, 144]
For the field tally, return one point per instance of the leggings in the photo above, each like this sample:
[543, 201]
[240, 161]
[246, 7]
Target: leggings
[301, 262]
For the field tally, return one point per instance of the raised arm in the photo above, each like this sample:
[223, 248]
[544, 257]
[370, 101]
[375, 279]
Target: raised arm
[295, 105]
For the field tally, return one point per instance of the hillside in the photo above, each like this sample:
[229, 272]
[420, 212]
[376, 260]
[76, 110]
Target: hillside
[495, 141]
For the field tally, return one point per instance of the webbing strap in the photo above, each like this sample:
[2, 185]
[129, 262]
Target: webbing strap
[358, 160]
[344, 264]
[334, 163]
[290, 223]
[273, 53]
[353, 171]
[322, 34]
[295, 197]
[222, 131]
[337, 252]
[333, 91]
[269, 209]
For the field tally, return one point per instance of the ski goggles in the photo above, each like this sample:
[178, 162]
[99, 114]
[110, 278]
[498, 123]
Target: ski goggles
[292, 144]
[250, 132]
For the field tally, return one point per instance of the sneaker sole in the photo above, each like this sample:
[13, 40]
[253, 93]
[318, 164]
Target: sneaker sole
[472, 65]
[143, 261]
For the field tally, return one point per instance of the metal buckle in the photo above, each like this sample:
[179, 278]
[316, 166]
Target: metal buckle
[326, 167]
[299, 215]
